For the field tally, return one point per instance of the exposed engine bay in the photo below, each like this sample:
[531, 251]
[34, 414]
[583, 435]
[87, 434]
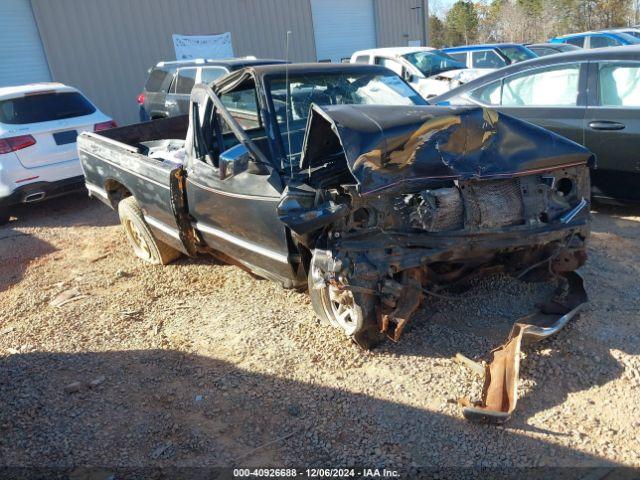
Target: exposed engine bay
[436, 238]
[425, 209]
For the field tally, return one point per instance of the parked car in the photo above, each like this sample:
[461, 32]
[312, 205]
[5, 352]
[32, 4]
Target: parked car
[429, 71]
[633, 31]
[169, 84]
[544, 49]
[490, 56]
[589, 96]
[39, 124]
[339, 177]
[597, 39]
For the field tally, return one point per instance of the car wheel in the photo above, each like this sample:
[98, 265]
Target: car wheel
[353, 313]
[144, 244]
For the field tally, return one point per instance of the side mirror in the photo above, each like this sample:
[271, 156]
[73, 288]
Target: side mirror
[234, 161]
[410, 77]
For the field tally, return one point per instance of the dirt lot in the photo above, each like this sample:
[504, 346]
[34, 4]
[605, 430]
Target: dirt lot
[200, 363]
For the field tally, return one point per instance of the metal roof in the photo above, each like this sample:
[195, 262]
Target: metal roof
[302, 68]
[483, 46]
[231, 63]
[393, 51]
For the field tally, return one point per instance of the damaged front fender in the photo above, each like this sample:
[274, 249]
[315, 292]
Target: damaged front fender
[298, 209]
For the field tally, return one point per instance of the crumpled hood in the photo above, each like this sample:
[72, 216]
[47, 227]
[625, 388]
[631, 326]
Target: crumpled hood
[468, 74]
[402, 147]
[449, 74]
[462, 75]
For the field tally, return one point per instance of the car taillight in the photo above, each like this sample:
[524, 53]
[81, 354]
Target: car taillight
[141, 99]
[13, 144]
[104, 126]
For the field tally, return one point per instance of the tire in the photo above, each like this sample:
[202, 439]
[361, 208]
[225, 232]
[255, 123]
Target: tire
[318, 302]
[145, 245]
[363, 325]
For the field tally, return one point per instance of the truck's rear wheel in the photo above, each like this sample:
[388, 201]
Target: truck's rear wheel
[144, 244]
[353, 313]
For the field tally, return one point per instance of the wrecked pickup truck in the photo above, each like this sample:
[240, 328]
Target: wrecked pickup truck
[339, 177]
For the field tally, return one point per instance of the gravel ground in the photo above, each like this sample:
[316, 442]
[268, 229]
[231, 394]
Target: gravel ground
[201, 364]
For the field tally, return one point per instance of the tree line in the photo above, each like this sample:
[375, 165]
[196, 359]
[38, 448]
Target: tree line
[524, 21]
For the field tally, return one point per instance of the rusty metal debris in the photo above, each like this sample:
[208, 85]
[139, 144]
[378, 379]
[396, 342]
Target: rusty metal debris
[409, 299]
[500, 391]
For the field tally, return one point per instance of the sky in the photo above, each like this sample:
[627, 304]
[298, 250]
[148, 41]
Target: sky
[440, 7]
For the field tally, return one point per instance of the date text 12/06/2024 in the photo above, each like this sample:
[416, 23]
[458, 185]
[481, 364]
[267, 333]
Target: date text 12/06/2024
[315, 473]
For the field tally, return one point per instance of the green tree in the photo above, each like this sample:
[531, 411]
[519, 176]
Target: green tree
[565, 15]
[436, 32]
[462, 23]
[533, 20]
[613, 13]
[530, 7]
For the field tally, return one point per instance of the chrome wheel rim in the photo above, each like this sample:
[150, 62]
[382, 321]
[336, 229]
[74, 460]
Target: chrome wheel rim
[344, 310]
[139, 242]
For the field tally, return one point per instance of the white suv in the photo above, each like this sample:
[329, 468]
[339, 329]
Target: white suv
[39, 124]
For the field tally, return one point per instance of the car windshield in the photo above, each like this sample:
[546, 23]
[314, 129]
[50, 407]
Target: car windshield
[433, 63]
[517, 53]
[333, 89]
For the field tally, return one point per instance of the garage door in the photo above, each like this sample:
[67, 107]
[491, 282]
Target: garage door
[22, 57]
[342, 26]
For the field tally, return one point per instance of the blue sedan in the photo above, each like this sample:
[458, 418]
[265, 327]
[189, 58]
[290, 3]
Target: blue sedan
[598, 39]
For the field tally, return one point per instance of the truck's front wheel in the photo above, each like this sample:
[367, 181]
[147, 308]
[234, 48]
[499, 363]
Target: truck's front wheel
[144, 244]
[353, 313]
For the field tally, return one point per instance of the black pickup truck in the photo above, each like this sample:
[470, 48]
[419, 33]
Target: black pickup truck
[340, 178]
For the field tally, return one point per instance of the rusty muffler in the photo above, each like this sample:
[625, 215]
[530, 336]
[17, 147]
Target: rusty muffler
[500, 391]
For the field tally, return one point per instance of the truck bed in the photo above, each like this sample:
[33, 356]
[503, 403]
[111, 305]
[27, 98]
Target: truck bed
[141, 135]
[137, 160]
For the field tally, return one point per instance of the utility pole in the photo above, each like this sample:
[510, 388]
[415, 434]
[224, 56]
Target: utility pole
[424, 15]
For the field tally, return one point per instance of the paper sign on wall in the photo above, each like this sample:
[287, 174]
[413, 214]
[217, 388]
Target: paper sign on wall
[203, 46]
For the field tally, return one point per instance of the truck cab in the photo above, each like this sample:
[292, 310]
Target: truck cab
[242, 146]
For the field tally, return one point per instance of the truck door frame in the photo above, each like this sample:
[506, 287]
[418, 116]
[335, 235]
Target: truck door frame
[237, 216]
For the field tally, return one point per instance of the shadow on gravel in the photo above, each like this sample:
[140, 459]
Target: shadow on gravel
[73, 210]
[167, 408]
[18, 247]
[623, 219]
[17, 250]
[631, 209]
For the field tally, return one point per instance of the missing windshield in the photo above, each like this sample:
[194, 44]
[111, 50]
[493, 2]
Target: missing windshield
[331, 89]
